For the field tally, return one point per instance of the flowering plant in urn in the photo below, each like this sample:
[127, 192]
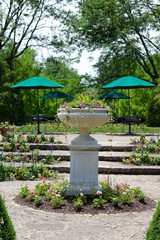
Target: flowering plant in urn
[85, 100]
[84, 112]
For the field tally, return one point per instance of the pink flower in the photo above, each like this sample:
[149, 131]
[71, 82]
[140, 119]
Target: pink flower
[111, 187]
[97, 106]
[43, 180]
[120, 186]
[31, 191]
[58, 194]
[126, 182]
[107, 179]
[49, 182]
[99, 193]
[124, 193]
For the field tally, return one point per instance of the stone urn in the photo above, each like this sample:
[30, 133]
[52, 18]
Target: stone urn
[84, 148]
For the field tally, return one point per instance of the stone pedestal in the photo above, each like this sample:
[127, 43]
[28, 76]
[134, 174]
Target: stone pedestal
[83, 168]
[84, 149]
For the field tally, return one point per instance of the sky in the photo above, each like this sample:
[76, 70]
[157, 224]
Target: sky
[86, 62]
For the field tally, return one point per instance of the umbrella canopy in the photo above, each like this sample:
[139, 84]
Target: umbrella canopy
[128, 82]
[56, 94]
[114, 95]
[37, 83]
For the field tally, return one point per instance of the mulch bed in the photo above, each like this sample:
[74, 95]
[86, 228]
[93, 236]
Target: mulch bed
[108, 208]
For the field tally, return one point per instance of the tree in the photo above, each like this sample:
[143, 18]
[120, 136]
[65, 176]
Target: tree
[120, 28]
[59, 70]
[22, 24]
[12, 105]
[21, 27]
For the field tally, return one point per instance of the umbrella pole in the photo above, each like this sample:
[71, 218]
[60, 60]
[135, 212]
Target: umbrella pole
[38, 122]
[129, 113]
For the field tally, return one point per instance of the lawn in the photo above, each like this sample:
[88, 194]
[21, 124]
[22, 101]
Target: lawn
[107, 128]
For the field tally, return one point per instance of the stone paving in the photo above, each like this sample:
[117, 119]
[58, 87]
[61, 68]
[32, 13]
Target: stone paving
[39, 225]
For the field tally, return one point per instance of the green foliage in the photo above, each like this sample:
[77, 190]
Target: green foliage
[143, 158]
[12, 107]
[7, 231]
[85, 100]
[153, 231]
[59, 70]
[120, 30]
[34, 172]
[2, 172]
[79, 201]
[55, 192]
[139, 194]
[38, 201]
[98, 202]
[57, 200]
[141, 152]
[31, 138]
[153, 109]
[49, 159]
[7, 171]
[24, 191]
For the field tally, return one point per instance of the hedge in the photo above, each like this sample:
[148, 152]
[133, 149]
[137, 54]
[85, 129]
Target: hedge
[7, 231]
[153, 232]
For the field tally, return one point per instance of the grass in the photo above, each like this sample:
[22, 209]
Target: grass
[107, 128]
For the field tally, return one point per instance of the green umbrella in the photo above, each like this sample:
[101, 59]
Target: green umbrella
[56, 94]
[114, 95]
[128, 82]
[37, 83]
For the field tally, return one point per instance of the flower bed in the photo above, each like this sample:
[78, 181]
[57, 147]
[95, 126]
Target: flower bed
[114, 198]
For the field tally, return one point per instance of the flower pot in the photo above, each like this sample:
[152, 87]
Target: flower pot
[84, 117]
[5, 130]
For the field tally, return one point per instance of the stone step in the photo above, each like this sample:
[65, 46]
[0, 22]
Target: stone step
[106, 168]
[109, 163]
[112, 168]
[107, 147]
[109, 156]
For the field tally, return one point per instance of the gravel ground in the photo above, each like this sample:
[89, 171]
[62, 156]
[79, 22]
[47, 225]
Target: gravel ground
[40, 225]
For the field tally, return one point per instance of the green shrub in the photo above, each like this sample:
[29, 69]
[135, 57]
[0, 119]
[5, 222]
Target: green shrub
[6, 172]
[7, 231]
[2, 173]
[154, 229]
